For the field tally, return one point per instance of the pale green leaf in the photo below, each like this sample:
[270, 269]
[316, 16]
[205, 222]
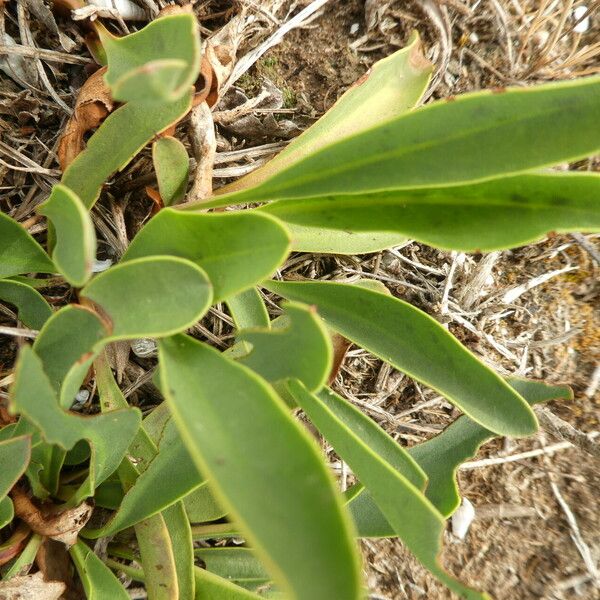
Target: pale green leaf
[75, 247]
[19, 252]
[183, 551]
[172, 166]
[201, 506]
[415, 343]
[14, 458]
[32, 308]
[248, 310]
[212, 587]
[255, 455]
[150, 297]
[237, 250]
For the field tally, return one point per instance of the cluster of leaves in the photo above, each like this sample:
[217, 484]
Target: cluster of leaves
[224, 451]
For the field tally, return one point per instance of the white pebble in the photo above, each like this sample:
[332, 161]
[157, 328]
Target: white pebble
[462, 519]
[584, 24]
[101, 265]
[354, 28]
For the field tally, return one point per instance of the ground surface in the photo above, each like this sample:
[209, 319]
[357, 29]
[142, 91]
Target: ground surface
[520, 545]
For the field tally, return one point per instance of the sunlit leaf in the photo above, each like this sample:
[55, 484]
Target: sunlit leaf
[415, 343]
[480, 217]
[164, 295]
[172, 166]
[19, 252]
[32, 308]
[237, 250]
[413, 517]
[472, 138]
[231, 421]
[75, 247]
[248, 310]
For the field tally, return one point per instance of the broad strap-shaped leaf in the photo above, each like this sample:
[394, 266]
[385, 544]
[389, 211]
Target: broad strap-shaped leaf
[172, 166]
[297, 345]
[440, 458]
[232, 422]
[32, 308]
[158, 63]
[248, 310]
[66, 345]
[122, 135]
[212, 587]
[415, 343]
[392, 87]
[237, 250]
[14, 458]
[472, 138]
[75, 247]
[19, 252]
[109, 434]
[486, 216]
[239, 565]
[98, 580]
[180, 533]
[150, 297]
[414, 518]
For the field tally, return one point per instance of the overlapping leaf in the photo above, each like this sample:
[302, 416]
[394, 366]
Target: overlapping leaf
[33, 310]
[416, 344]
[172, 166]
[231, 421]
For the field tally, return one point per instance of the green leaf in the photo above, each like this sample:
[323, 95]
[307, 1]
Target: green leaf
[158, 63]
[7, 512]
[237, 250]
[33, 310]
[24, 561]
[412, 516]
[213, 587]
[75, 247]
[109, 434]
[440, 458]
[14, 458]
[392, 87]
[182, 544]
[122, 135]
[297, 345]
[241, 436]
[172, 166]
[201, 506]
[238, 565]
[415, 343]
[66, 345]
[164, 295]
[19, 252]
[480, 217]
[248, 310]
[471, 138]
[98, 580]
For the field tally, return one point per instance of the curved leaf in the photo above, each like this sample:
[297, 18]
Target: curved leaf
[479, 217]
[164, 295]
[213, 587]
[297, 345]
[201, 506]
[241, 436]
[415, 343]
[412, 516]
[75, 247]
[33, 310]
[248, 310]
[7, 511]
[19, 252]
[172, 166]
[183, 550]
[237, 250]
[14, 458]
[472, 138]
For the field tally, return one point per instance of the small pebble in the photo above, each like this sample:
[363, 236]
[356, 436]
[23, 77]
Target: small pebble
[584, 24]
[354, 28]
[462, 519]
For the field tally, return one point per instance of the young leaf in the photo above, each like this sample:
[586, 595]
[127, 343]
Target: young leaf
[248, 310]
[164, 295]
[440, 458]
[14, 458]
[415, 343]
[412, 516]
[158, 63]
[241, 436]
[392, 87]
[472, 138]
[33, 310]
[213, 587]
[75, 247]
[98, 580]
[109, 434]
[297, 345]
[479, 217]
[172, 166]
[19, 252]
[237, 250]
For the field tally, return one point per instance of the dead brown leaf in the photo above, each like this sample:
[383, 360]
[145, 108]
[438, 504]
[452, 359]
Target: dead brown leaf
[60, 526]
[94, 103]
[31, 587]
[340, 347]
